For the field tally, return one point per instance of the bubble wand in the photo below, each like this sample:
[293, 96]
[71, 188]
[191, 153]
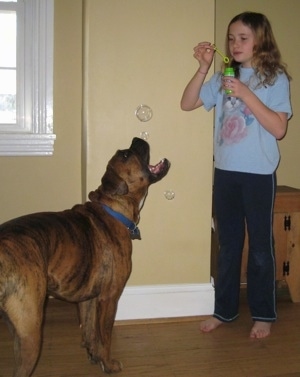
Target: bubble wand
[225, 58]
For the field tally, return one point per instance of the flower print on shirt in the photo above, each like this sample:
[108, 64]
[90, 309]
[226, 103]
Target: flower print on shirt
[234, 121]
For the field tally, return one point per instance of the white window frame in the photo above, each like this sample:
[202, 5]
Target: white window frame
[33, 134]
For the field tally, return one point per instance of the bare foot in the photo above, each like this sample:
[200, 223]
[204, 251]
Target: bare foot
[210, 324]
[260, 330]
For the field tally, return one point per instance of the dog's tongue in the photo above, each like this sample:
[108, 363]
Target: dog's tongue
[155, 169]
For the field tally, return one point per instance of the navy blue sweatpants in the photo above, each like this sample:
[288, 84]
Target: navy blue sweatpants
[244, 199]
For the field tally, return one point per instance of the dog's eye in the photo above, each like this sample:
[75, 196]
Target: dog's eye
[125, 154]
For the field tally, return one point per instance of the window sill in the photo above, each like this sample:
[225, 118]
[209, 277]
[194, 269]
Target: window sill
[27, 144]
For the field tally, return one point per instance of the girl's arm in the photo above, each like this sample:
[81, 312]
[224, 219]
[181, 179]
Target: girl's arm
[190, 100]
[274, 122]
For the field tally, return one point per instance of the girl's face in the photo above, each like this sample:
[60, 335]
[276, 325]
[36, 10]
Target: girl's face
[241, 41]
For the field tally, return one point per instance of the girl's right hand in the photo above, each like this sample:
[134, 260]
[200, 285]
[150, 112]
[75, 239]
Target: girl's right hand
[204, 53]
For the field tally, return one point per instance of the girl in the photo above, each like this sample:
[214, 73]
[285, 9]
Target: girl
[248, 123]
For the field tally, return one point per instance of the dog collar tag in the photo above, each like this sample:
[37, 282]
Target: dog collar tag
[135, 234]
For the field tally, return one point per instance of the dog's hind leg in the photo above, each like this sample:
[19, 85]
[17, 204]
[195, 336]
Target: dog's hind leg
[97, 320]
[26, 317]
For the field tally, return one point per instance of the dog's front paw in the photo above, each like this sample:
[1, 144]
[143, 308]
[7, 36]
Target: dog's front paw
[113, 366]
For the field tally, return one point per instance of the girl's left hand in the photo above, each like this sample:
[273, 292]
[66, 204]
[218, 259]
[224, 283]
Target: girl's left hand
[238, 89]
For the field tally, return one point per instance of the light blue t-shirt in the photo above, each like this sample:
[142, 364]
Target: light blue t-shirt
[240, 142]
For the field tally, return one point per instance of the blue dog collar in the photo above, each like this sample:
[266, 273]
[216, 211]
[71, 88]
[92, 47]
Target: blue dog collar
[130, 225]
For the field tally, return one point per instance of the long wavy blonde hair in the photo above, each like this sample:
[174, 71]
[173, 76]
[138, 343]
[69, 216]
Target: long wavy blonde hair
[266, 59]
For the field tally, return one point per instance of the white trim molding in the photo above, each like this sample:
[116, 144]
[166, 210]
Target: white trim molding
[165, 301]
[26, 144]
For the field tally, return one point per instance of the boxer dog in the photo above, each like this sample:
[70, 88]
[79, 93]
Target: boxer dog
[81, 255]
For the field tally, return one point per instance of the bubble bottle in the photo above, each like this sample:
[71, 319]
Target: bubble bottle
[228, 72]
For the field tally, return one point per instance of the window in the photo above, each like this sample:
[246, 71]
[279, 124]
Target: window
[26, 78]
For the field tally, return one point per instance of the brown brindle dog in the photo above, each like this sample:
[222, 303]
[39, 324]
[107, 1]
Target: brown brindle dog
[81, 255]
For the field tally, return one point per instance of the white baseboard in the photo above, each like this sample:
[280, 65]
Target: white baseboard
[165, 301]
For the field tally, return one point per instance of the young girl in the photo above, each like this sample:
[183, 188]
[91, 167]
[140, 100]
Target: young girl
[248, 123]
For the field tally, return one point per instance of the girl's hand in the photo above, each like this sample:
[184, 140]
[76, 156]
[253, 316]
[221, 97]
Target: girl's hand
[238, 89]
[204, 53]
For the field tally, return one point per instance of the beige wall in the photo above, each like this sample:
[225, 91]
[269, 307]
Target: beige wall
[30, 184]
[140, 51]
[135, 55]
[284, 17]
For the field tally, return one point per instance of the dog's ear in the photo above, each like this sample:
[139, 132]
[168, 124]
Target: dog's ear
[113, 184]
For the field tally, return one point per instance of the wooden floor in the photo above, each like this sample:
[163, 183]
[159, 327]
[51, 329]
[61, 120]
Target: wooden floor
[170, 349]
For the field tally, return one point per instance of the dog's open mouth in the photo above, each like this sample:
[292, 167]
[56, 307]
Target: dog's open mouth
[142, 149]
[156, 169]
[159, 170]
